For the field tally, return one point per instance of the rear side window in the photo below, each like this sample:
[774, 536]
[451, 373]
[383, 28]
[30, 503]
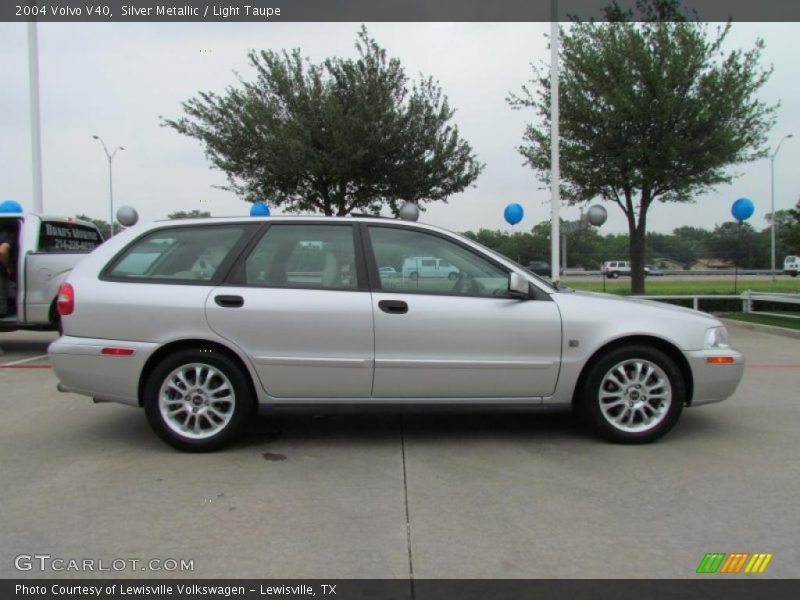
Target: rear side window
[58, 236]
[180, 254]
[304, 256]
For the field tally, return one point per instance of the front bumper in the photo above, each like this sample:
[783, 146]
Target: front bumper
[82, 368]
[714, 382]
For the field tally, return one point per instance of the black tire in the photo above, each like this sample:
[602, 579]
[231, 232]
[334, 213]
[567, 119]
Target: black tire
[452, 276]
[589, 403]
[243, 400]
[413, 276]
[793, 273]
[613, 275]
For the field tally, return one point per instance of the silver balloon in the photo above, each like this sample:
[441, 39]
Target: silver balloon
[597, 215]
[127, 216]
[409, 211]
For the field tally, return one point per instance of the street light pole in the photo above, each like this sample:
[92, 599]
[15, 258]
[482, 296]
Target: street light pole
[555, 171]
[36, 132]
[772, 200]
[110, 156]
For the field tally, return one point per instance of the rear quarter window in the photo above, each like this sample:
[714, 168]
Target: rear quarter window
[57, 236]
[178, 254]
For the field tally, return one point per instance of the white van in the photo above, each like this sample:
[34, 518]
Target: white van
[791, 265]
[428, 266]
[45, 251]
[614, 268]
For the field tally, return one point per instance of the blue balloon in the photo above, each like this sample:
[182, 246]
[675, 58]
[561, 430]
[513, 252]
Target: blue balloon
[743, 209]
[513, 213]
[259, 209]
[10, 206]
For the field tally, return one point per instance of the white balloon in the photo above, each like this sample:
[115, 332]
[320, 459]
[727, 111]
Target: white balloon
[597, 215]
[127, 216]
[409, 211]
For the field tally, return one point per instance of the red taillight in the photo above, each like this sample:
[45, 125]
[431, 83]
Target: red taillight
[66, 300]
[117, 351]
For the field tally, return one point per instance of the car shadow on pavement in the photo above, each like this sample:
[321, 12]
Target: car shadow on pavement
[707, 424]
[124, 427]
[24, 348]
[421, 427]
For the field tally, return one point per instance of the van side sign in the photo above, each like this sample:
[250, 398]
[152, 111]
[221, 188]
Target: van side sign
[65, 238]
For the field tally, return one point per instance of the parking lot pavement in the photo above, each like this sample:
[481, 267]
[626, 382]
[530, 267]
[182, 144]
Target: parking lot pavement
[501, 496]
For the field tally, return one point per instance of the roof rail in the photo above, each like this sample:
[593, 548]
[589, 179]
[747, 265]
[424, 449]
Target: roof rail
[369, 216]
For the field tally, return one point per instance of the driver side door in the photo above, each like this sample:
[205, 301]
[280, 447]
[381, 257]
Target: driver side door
[440, 338]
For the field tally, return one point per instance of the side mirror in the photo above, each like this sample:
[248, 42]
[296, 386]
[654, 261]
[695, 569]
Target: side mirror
[518, 286]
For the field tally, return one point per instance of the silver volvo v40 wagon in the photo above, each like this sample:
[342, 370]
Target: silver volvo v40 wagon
[202, 322]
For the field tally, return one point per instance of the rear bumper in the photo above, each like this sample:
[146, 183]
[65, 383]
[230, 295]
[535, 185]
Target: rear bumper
[714, 382]
[82, 368]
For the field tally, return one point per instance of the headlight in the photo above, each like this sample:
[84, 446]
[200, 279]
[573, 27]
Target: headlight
[717, 337]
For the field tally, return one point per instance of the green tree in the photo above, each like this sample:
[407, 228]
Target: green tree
[585, 249]
[522, 247]
[673, 246]
[103, 226]
[735, 242]
[650, 111]
[787, 233]
[615, 245]
[334, 137]
[188, 214]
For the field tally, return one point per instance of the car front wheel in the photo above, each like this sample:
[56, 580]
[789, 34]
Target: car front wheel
[197, 400]
[633, 395]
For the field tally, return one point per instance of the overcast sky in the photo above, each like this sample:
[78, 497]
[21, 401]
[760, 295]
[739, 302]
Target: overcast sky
[115, 80]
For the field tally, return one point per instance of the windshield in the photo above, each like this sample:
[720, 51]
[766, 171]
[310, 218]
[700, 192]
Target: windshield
[545, 282]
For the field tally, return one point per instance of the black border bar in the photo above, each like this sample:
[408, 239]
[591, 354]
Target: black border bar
[150, 11]
[708, 587]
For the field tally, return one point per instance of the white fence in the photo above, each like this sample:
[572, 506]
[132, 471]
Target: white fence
[748, 298]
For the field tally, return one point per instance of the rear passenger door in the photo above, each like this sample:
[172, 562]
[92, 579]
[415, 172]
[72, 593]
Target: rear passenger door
[156, 288]
[298, 303]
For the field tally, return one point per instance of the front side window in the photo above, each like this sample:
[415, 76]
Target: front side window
[411, 260]
[178, 253]
[304, 256]
[61, 236]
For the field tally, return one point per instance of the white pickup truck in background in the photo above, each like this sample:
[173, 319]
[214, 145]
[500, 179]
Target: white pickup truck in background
[46, 250]
[791, 265]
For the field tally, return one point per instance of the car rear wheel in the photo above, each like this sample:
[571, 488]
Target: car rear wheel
[613, 275]
[633, 395]
[452, 276]
[197, 400]
[413, 276]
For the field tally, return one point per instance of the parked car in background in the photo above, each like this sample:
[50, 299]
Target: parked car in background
[791, 265]
[45, 250]
[203, 347]
[614, 268]
[654, 271]
[542, 268]
[428, 266]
